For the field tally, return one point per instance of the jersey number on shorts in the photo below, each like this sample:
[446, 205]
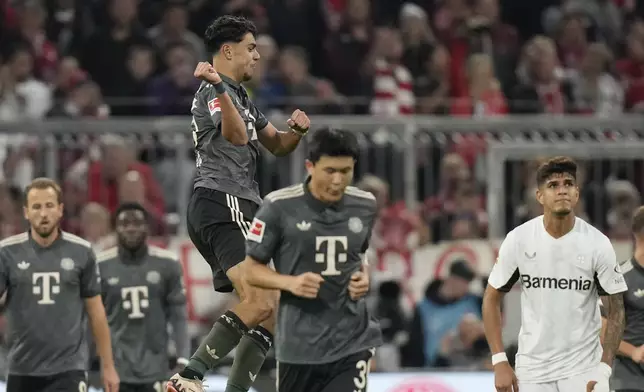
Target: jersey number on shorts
[331, 250]
[82, 386]
[363, 371]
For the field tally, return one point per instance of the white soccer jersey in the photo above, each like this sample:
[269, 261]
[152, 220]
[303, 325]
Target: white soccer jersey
[560, 281]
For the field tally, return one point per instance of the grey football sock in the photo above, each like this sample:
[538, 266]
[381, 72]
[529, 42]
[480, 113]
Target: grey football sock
[249, 358]
[222, 338]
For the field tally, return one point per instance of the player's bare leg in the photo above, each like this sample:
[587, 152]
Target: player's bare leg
[255, 307]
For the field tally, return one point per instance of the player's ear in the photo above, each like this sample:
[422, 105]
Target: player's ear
[309, 166]
[539, 195]
[226, 51]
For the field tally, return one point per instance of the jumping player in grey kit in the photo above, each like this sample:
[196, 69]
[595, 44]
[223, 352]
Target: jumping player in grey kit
[53, 287]
[143, 292]
[227, 130]
[628, 367]
[317, 233]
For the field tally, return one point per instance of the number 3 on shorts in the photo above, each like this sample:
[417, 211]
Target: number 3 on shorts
[82, 386]
[361, 381]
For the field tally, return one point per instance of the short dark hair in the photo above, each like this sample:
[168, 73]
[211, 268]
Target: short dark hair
[43, 183]
[227, 28]
[129, 207]
[557, 165]
[333, 143]
[637, 223]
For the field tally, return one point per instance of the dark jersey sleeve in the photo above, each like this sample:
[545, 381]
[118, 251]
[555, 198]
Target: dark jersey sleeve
[176, 292]
[90, 277]
[260, 120]
[265, 233]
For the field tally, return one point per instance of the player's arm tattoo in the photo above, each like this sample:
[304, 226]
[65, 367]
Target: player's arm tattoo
[615, 321]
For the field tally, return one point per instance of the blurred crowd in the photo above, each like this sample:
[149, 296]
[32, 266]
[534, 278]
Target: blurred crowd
[102, 59]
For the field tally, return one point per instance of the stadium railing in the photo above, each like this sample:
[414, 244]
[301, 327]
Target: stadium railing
[405, 151]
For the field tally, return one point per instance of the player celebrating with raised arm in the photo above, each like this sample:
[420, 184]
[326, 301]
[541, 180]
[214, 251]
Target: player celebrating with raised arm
[143, 293]
[316, 233]
[563, 263]
[628, 368]
[53, 287]
[227, 129]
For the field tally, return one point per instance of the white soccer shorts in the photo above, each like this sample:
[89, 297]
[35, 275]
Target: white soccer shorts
[572, 384]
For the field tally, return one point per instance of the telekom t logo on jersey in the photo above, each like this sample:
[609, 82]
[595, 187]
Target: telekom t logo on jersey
[135, 299]
[46, 284]
[336, 247]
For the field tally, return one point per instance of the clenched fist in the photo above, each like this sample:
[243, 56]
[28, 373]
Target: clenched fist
[306, 285]
[206, 72]
[299, 122]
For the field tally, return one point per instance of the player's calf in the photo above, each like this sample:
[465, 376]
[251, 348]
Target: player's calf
[252, 349]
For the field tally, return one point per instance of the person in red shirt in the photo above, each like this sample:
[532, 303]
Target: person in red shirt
[120, 178]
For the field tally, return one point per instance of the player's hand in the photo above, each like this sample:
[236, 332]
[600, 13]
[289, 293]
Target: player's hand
[206, 72]
[504, 378]
[359, 285]
[299, 122]
[111, 379]
[638, 354]
[306, 285]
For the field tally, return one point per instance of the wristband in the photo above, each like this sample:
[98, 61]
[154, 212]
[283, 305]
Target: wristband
[498, 358]
[182, 361]
[299, 131]
[219, 88]
[603, 370]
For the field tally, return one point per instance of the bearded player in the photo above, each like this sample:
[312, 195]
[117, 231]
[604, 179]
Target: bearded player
[563, 264]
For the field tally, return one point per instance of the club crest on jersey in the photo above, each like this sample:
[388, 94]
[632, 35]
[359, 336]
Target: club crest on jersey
[153, 277]
[213, 106]
[256, 232]
[355, 225]
[67, 264]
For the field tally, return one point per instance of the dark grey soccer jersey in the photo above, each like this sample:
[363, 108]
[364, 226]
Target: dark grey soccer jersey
[220, 164]
[143, 294]
[626, 373]
[302, 234]
[46, 289]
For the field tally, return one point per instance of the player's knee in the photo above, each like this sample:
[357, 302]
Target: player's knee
[262, 308]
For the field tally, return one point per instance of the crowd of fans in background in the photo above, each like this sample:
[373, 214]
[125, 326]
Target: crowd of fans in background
[100, 59]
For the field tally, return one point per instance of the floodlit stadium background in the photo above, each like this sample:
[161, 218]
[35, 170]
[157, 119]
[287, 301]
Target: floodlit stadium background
[454, 102]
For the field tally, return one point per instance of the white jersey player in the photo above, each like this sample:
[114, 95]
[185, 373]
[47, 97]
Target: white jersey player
[563, 263]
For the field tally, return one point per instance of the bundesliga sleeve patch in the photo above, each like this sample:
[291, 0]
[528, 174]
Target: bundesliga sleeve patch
[213, 106]
[256, 232]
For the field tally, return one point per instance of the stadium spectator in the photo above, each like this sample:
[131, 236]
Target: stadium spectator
[540, 88]
[432, 87]
[466, 347]
[174, 29]
[418, 38]
[485, 96]
[439, 313]
[141, 66]
[96, 226]
[594, 89]
[22, 96]
[119, 178]
[392, 81]
[105, 54]
[84, 100]
[171, 93]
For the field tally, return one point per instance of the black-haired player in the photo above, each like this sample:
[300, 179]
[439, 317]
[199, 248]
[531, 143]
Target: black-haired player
[227, 130]
[143, 293]
[563, 264]
[628, 367]
[317, 234]
[53, 288]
